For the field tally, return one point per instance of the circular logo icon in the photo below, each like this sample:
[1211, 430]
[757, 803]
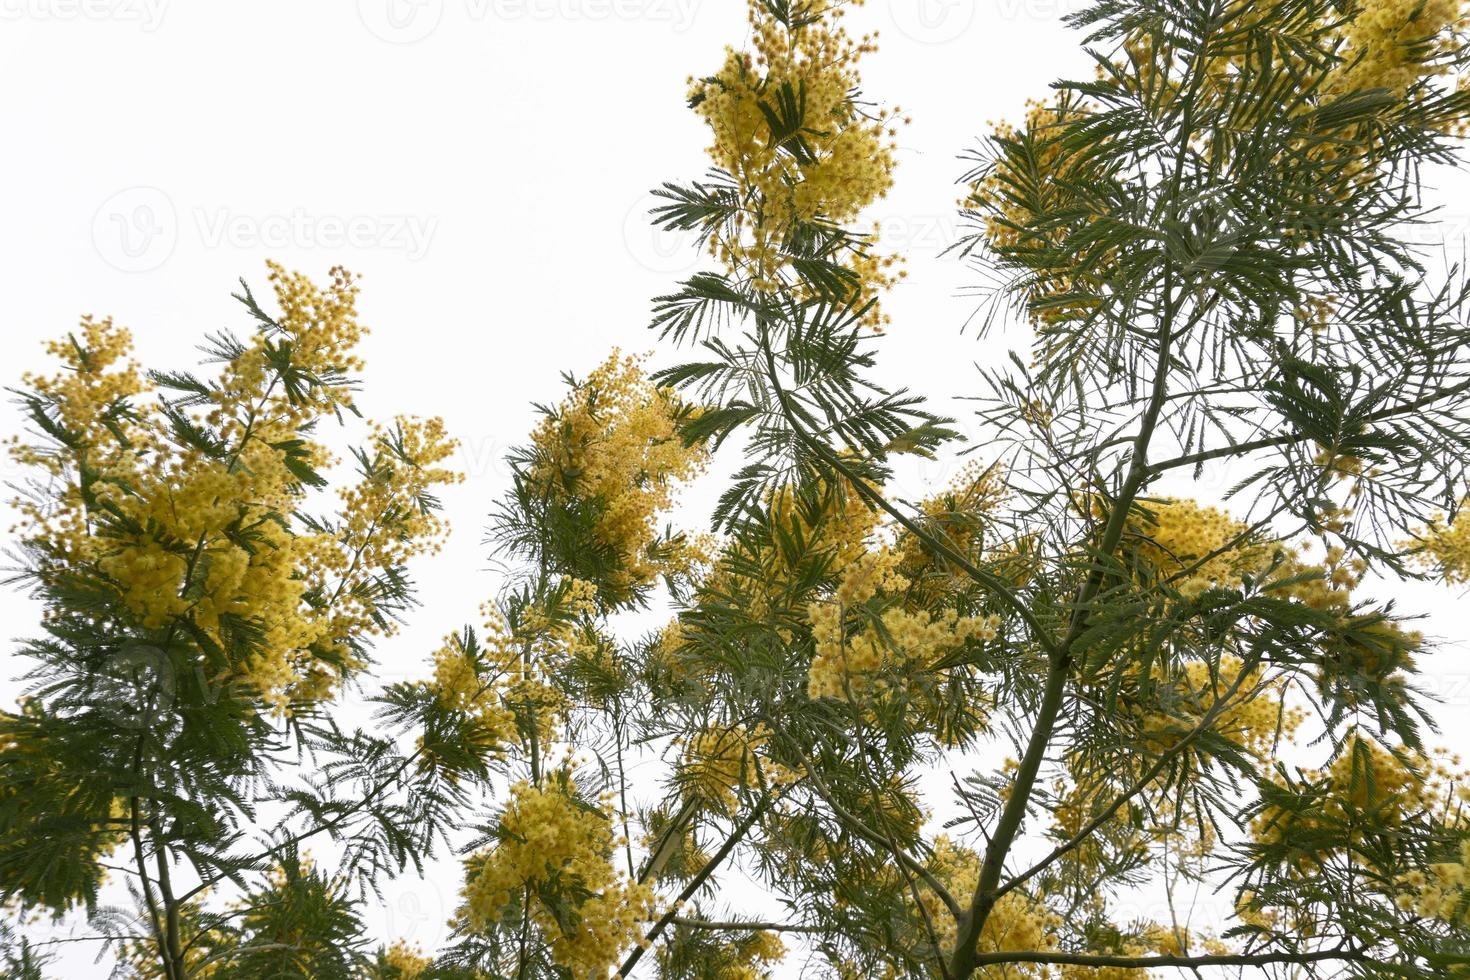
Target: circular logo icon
[663, 250]
[136, 230]
[135, 686]
[400, 21]
[1209, 232]
[933, 21]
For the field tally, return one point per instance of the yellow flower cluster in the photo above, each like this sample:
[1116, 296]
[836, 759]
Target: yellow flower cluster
[766, 575]
[959, 516]
[1446, 549]
[91, 399]
[719, 762]
[828, 158]
[748, 956]
[1443, 892]
[1030, 199]
[1366, 779]
[550, 840]
[1196, 548]
[476, 687]
[614, 443]
[763, 951]
[1023, 194]
[1255, 717]
[405, 962]
[1020, 921]
[909, 640]
[1393, 44]
[504, 681]
[840, 524]
[200, 525]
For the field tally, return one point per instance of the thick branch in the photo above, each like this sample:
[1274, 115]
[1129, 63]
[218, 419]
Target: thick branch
[694, 885]
[1173, 962]
[1142, 784]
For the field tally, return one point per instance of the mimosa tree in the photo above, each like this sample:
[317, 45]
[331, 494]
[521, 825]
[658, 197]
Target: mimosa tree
[951, 737]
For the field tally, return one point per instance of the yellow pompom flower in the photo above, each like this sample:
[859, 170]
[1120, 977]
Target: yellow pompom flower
[613, 444]
[788, 131]
[405, 962]
[719, 762]
[190, 509]
[1393, 44]
[549, 839]
[1445, 548]
[1364, 780]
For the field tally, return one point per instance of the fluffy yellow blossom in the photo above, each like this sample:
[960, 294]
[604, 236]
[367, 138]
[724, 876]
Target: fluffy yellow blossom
[190, 508]
[1365, 785]
[1195, 548]
[770, 580]
[503, 678]
[738, 956]
[764, 950]
[1020, 921]
[1446, 549]
[790, 133]
[555, 853]
[1035, 199]
[960, 516]
[1254, 718]
[1024, 200]
[474, 680]
[852, 660]
[404, 962]
[1190, 549]
[1442, 891]
[613, 447]
[719, 762]
[1393, 44]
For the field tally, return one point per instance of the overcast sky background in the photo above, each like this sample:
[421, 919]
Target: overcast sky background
[485, 165]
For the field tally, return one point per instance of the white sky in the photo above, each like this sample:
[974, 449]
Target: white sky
[485, 165]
